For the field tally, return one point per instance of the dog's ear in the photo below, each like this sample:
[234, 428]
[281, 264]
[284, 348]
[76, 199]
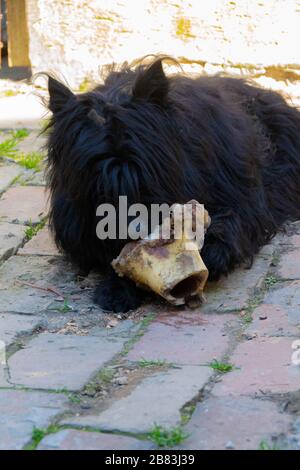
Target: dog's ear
[152, 84]
[59, 94]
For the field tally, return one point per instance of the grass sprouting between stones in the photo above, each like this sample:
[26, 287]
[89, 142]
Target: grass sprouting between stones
[33, 229]
[104, 377]
[20, 134]
[167, 437]
[266, 446]
[247, 318]
[74, 399]
[222, 367]
[31, 160]
[187, 413]
[142, 328]
[150, 363]
[39, 434]
[8, 146]
[252, 304]
[65, 308]
[270, 281]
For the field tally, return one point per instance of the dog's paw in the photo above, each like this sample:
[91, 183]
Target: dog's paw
[118, 295]
[217, 259]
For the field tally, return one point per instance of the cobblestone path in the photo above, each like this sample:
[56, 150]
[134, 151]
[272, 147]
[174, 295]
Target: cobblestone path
[223, 376]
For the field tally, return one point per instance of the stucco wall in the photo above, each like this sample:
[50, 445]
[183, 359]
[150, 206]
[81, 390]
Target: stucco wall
[75, 37]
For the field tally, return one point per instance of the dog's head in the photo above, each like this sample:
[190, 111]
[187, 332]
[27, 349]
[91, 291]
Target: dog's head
[119, 139]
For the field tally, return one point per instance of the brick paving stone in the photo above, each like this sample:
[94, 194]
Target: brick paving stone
[21, 412]
[54, 361]
[233, 292]
[40, 245]
[288, 442]
[184, 338]
[287, 295]
[15, 297]
[295, 241]
[12, 325]
[291, 439]
[45, 271]
[264, 365]
[34, 178]
[3, 377]
[289, 266]
[3, 364]
[7, 175]
[292, 240]
[71, 439]
[156, 400]
[272, 320]
[23, 204]
[239, 422]
[11, 237]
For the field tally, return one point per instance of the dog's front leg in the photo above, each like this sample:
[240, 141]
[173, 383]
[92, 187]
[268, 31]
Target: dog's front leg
[117, 294]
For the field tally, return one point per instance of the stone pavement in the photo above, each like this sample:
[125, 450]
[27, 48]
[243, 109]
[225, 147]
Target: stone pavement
[223, 376]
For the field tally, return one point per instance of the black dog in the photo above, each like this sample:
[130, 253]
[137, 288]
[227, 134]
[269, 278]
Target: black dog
[230, 145]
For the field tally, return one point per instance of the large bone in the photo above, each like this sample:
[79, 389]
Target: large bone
[173, 268]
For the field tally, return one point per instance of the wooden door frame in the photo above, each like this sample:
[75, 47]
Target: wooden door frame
[17, 34]
[1, 43]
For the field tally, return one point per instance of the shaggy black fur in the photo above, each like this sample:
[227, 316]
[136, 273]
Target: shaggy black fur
[230, 145]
